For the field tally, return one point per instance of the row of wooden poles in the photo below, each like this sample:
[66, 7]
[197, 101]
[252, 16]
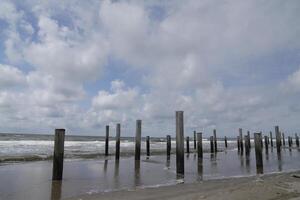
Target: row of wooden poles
[58, 156]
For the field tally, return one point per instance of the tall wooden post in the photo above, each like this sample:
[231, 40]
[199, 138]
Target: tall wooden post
[225, 140]
[168, 146]
[215, 141]
[58, 155]
[278, 139]
[138, 135]
[258, 151]
[241, 141]
[188, 144]
[289, 142]
[118, 135]
[211, 144]
[179, 143]
[238, 143]
[266, 144]
[200, 149]
[271, 138]
[283, 139]
[195, 144]
[247, 147]
[148, 145]
[106, 140]
[249, 139]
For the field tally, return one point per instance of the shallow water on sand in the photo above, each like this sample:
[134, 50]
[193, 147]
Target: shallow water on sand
[32, 180]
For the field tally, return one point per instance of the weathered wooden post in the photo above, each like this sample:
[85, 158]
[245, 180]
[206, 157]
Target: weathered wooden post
[168, 146]
[238, 144]
[138, 135]
[266, 144]
[249, 139]
[215, 141]
[290, 142]
[148, 145]
[118, 135]
[258, 152]
[195, 144]
[58, 155]
[247, 146]
[225, 140]
[278, 139]
[106, 140]
[241, 141]
[188, 144]
[297, 140]
[179, 143]
[271, 138]
[200, 149]
[211, 144]
[283, 139]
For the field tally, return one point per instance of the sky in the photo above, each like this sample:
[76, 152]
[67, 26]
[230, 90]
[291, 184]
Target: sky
[82, 65]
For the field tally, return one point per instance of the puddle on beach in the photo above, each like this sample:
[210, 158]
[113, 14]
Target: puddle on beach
[33, 180]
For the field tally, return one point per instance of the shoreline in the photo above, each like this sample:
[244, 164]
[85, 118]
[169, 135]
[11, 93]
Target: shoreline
[279, 186]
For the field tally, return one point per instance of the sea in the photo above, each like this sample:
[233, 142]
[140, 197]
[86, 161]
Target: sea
[26, 165]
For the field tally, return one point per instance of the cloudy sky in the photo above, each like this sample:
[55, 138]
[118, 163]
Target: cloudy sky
[81, 65]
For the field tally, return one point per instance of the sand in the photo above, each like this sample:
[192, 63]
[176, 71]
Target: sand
[273, 186]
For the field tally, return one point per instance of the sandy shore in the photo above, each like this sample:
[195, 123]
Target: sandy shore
[274, 186]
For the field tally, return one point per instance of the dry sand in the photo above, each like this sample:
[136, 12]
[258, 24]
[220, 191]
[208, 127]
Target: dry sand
[275, 187]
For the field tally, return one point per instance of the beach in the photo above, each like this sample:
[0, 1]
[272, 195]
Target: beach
[278, 186]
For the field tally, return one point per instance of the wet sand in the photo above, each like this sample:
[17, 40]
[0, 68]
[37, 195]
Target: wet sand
[274, 186]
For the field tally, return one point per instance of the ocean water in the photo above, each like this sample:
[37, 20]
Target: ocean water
[84, 175]
[29, 147]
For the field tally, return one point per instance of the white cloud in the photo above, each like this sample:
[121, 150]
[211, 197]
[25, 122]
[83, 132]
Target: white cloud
[11, 77]
[292, 84]
[181, 57]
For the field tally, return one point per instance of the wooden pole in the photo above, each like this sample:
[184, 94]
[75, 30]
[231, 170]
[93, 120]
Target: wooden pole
[188, 144]
[283, 139]
[138, 135]
[215, 141]
[271, 138]
[258, 151]
[211, 144]
[278, 139]
[195, 143]
[168, 146]
[247, 147]
[200, 149]
[58, 155]
[241, 141]
[118, 135]
[106, 140]
[266, 144]
[297, 140]
[179, 143]
[290, 142]
[225, 140]
[238, 144]
[249, 139]
[148, 145]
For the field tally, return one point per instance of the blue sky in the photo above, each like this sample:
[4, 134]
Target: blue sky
[81, 65]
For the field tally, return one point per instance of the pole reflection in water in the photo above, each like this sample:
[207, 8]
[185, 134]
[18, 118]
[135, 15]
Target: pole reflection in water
[241, 160]
[105, 166]
[116, 173]
[200, 170]
[168, 162]
[56, 190]
[247, 158]
[279, 161]
[137, 177]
